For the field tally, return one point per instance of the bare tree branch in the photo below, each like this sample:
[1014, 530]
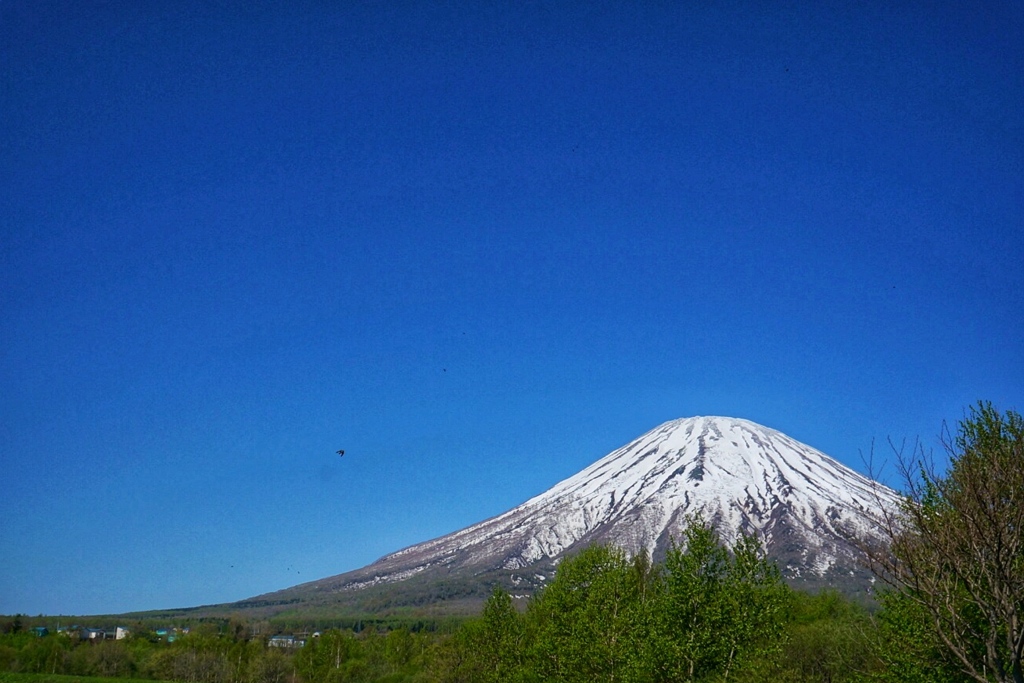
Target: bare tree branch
[956, 544]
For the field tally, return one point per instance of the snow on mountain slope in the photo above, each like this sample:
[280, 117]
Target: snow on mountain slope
[743, 477]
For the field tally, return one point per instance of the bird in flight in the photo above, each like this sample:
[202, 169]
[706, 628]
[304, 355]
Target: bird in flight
[341, 452]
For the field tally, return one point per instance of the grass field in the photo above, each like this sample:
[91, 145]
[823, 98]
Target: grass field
[6, 677]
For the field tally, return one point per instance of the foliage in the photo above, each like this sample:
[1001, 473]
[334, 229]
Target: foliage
[206, 656]
[585, 625]
[499, 640]
[906, 647]
[956, 556]
[829, 638]
[721, 611]
[708, 613]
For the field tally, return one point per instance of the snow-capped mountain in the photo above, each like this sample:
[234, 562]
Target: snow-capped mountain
[743, 477]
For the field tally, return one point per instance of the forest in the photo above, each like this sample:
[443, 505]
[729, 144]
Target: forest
[950, 608]
[705, 614]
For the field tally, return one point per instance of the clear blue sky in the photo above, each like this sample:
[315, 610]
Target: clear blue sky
[477, 246]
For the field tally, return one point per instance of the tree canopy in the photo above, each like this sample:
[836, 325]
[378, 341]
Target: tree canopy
[706, 613]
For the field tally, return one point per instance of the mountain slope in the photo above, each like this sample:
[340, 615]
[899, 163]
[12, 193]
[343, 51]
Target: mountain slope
[743, 477]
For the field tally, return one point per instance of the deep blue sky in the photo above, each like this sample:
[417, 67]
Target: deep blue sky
[476, 245]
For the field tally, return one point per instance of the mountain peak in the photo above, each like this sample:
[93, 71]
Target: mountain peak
[741, 476]
[732, 471]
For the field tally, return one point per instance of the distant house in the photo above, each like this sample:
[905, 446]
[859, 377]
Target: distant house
[285, 641]
[95, 634]
[41, 631]
[167, 634]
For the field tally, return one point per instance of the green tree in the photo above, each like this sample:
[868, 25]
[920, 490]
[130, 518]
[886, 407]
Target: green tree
[957, 547]
[199, 657]
[106, 658]
[499, 640]
[391, 657]
[240, 659]
[906, 646]
[721, 611]
[455, 659]
[45, 655]
[334, 656]
[272, 666]
[584, 623]
[707, 614]
[830, 640]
